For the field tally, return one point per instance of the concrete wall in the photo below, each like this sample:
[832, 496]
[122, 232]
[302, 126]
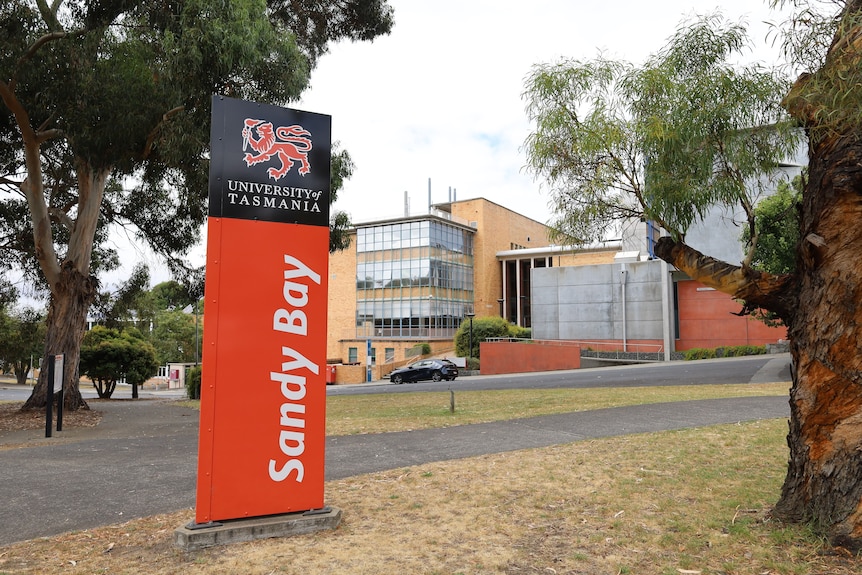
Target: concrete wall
[586, 302]
[719, 232]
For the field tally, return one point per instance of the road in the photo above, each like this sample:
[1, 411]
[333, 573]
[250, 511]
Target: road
[11, 392]
[750, 369]
[704, 372]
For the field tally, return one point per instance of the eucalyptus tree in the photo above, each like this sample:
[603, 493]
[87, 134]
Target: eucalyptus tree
[105, 120]
[128, 305]
[669, 115]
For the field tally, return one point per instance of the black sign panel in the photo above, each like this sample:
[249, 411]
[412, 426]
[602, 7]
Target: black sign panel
[269, 163]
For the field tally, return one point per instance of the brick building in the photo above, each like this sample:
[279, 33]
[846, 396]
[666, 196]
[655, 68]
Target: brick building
[414, 279]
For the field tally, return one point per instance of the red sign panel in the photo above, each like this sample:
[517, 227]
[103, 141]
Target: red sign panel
[263, 391]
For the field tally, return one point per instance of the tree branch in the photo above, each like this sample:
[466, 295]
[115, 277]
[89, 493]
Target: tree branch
[44, 135]
[33, 188]
[757, 289]
[151, 138]
[62, 218]
[49, 14]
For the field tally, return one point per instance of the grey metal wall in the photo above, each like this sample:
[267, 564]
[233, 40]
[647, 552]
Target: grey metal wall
[586, 302]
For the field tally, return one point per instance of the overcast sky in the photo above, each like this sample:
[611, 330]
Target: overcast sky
[441, 97]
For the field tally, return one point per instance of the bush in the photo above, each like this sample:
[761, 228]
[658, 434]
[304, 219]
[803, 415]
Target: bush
[730, 351]
[483, 328]
[108, 355]
[424, 347]
[741, 350]
[193, 382]
[518, 332]
[699, 353]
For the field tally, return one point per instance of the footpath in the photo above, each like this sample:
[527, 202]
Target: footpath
[141, 459]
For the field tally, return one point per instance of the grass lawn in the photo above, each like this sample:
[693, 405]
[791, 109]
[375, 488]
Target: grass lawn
[681, 502]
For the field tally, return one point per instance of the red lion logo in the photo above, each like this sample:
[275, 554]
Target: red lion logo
[290, 143]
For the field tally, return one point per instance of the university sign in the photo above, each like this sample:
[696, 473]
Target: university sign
[263, 391]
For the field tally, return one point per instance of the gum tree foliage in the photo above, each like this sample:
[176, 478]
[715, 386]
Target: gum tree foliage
[603, 134]
[105, 122]
[175, 337]
[703, 127]
[129, 305]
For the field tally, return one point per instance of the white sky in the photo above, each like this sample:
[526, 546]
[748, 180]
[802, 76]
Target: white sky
[441, 97]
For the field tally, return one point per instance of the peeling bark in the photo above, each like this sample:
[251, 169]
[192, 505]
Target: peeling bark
[823, 479]
[821, 305]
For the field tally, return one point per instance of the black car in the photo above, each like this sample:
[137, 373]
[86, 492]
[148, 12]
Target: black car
[433, 369]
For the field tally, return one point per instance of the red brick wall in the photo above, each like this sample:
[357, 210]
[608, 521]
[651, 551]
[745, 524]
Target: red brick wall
[509, 357]
[706, 319]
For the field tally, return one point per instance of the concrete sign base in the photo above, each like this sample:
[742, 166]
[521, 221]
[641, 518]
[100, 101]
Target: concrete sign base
[193, 536]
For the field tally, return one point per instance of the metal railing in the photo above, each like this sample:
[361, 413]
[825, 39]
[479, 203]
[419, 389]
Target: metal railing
[609, 350]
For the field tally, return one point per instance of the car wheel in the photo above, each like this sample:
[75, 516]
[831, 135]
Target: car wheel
[397, 379]
[437, 376]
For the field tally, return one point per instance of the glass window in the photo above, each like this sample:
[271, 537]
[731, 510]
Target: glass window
[397, 263]
[351, 355]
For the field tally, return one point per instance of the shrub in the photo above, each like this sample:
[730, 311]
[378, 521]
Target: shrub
[741, 350]
[483, 328]
[193, 382]
[729, 351]
[699, 353]
[108, 355]
[473, 364]
[518, 332]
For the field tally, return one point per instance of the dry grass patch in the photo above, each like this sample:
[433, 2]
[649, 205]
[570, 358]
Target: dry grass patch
[692, 501]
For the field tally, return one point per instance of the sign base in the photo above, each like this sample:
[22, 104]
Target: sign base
[199, 536]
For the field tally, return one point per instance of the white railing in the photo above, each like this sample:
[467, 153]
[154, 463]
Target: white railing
[616, 350]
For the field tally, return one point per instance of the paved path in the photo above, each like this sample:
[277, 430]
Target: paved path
[141, 460]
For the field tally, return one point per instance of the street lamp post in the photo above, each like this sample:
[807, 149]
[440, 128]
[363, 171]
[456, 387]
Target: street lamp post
[471, 315]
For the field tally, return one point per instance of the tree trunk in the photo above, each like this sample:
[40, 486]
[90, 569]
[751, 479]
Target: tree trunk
[823, 483]
[822, 307]
[67, 318]
[21, 369]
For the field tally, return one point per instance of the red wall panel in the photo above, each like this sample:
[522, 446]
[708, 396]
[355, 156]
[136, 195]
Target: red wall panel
[707, 319]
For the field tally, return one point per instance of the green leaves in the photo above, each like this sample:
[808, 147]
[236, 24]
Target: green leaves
[777, 229]
[108, 355]
[125, 87]
[665, 141]
[709, 130]
[583, 144]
